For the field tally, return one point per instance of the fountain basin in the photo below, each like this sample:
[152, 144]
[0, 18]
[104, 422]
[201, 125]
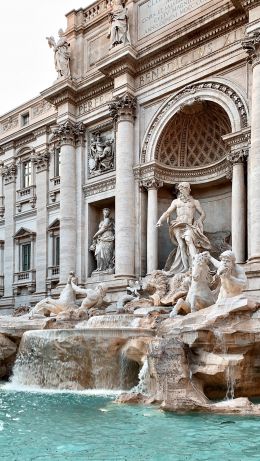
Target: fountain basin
[77, 359]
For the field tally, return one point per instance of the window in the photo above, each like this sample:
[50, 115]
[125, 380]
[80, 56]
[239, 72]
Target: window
[27, 174]
[25, 119]
[56, 250]
[26, 257]
[57, 162]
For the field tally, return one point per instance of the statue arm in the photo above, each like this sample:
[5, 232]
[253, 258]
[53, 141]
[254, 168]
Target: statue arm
[101, 230]
[167, 213]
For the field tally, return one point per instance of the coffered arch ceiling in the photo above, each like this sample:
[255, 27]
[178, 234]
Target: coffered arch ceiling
[193, 136]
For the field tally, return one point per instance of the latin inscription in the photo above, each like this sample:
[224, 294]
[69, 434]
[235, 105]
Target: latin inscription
[91, 104]
[154, 14]
[188, 58]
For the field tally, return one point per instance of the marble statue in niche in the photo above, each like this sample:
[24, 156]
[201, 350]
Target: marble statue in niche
[103, 245]
[119, 24]
[61, 54]
[101, 155]
[186, 231]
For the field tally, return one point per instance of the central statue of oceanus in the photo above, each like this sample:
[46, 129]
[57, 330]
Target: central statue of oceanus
[186, 230]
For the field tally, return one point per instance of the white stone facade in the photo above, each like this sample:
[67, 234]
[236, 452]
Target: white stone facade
[177, 100]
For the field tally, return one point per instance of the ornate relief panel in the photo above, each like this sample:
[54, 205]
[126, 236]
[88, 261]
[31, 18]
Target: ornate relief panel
[101, 152]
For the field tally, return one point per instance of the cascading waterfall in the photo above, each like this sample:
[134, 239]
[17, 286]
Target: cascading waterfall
[111, 321]
[76, 359]
[230, 369]
[143, 377]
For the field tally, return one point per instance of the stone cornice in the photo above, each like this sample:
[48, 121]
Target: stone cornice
[99, 186]
[248, 4]
[168, 175]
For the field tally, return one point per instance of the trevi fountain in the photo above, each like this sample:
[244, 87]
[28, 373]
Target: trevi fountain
[142, 342]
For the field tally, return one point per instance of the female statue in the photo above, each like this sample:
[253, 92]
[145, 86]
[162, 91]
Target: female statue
[119, 29]
[103, 244]
[61, 54]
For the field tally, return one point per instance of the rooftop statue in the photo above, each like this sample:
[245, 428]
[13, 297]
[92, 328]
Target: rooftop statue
[119, 26]
[61, 54]
[185, 230]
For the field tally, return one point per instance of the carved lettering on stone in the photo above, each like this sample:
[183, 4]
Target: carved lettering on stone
[154, 14]
[101, 157]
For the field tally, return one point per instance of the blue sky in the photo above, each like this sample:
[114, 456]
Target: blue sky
[26, 59]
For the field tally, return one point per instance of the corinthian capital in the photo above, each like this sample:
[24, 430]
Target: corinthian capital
[123, 107]
[238, 156]
[251, 43]
[151, 183]
[68, 133]
[41, 160]
[9, 172]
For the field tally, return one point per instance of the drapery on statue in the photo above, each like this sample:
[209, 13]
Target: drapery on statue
[185, 231]
[119, 27]
[61, 54]
[104, 243]
[232, 276]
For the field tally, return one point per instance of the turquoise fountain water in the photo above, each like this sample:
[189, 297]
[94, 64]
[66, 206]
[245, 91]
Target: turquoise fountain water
[76, 426]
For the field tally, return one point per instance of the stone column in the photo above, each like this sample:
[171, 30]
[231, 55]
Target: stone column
[252, 45]
[123, 111]
[152, 185]
[41, 162]
[9, 172]
[67, 134]
[238, 204]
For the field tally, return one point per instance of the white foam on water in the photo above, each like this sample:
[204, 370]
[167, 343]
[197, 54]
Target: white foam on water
[1, 426]
[39, 390]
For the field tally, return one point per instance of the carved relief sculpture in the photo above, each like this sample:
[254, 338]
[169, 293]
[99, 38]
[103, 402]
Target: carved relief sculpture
[185, 231]
[101, 155]
[104, 243]
[119, 24]
[61, 54]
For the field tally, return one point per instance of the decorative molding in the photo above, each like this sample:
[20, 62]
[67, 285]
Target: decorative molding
[99, 187]
[148, 171]
[9, 172]
[123, 107]
[251, 44]
[40, 160]
[68, 133]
